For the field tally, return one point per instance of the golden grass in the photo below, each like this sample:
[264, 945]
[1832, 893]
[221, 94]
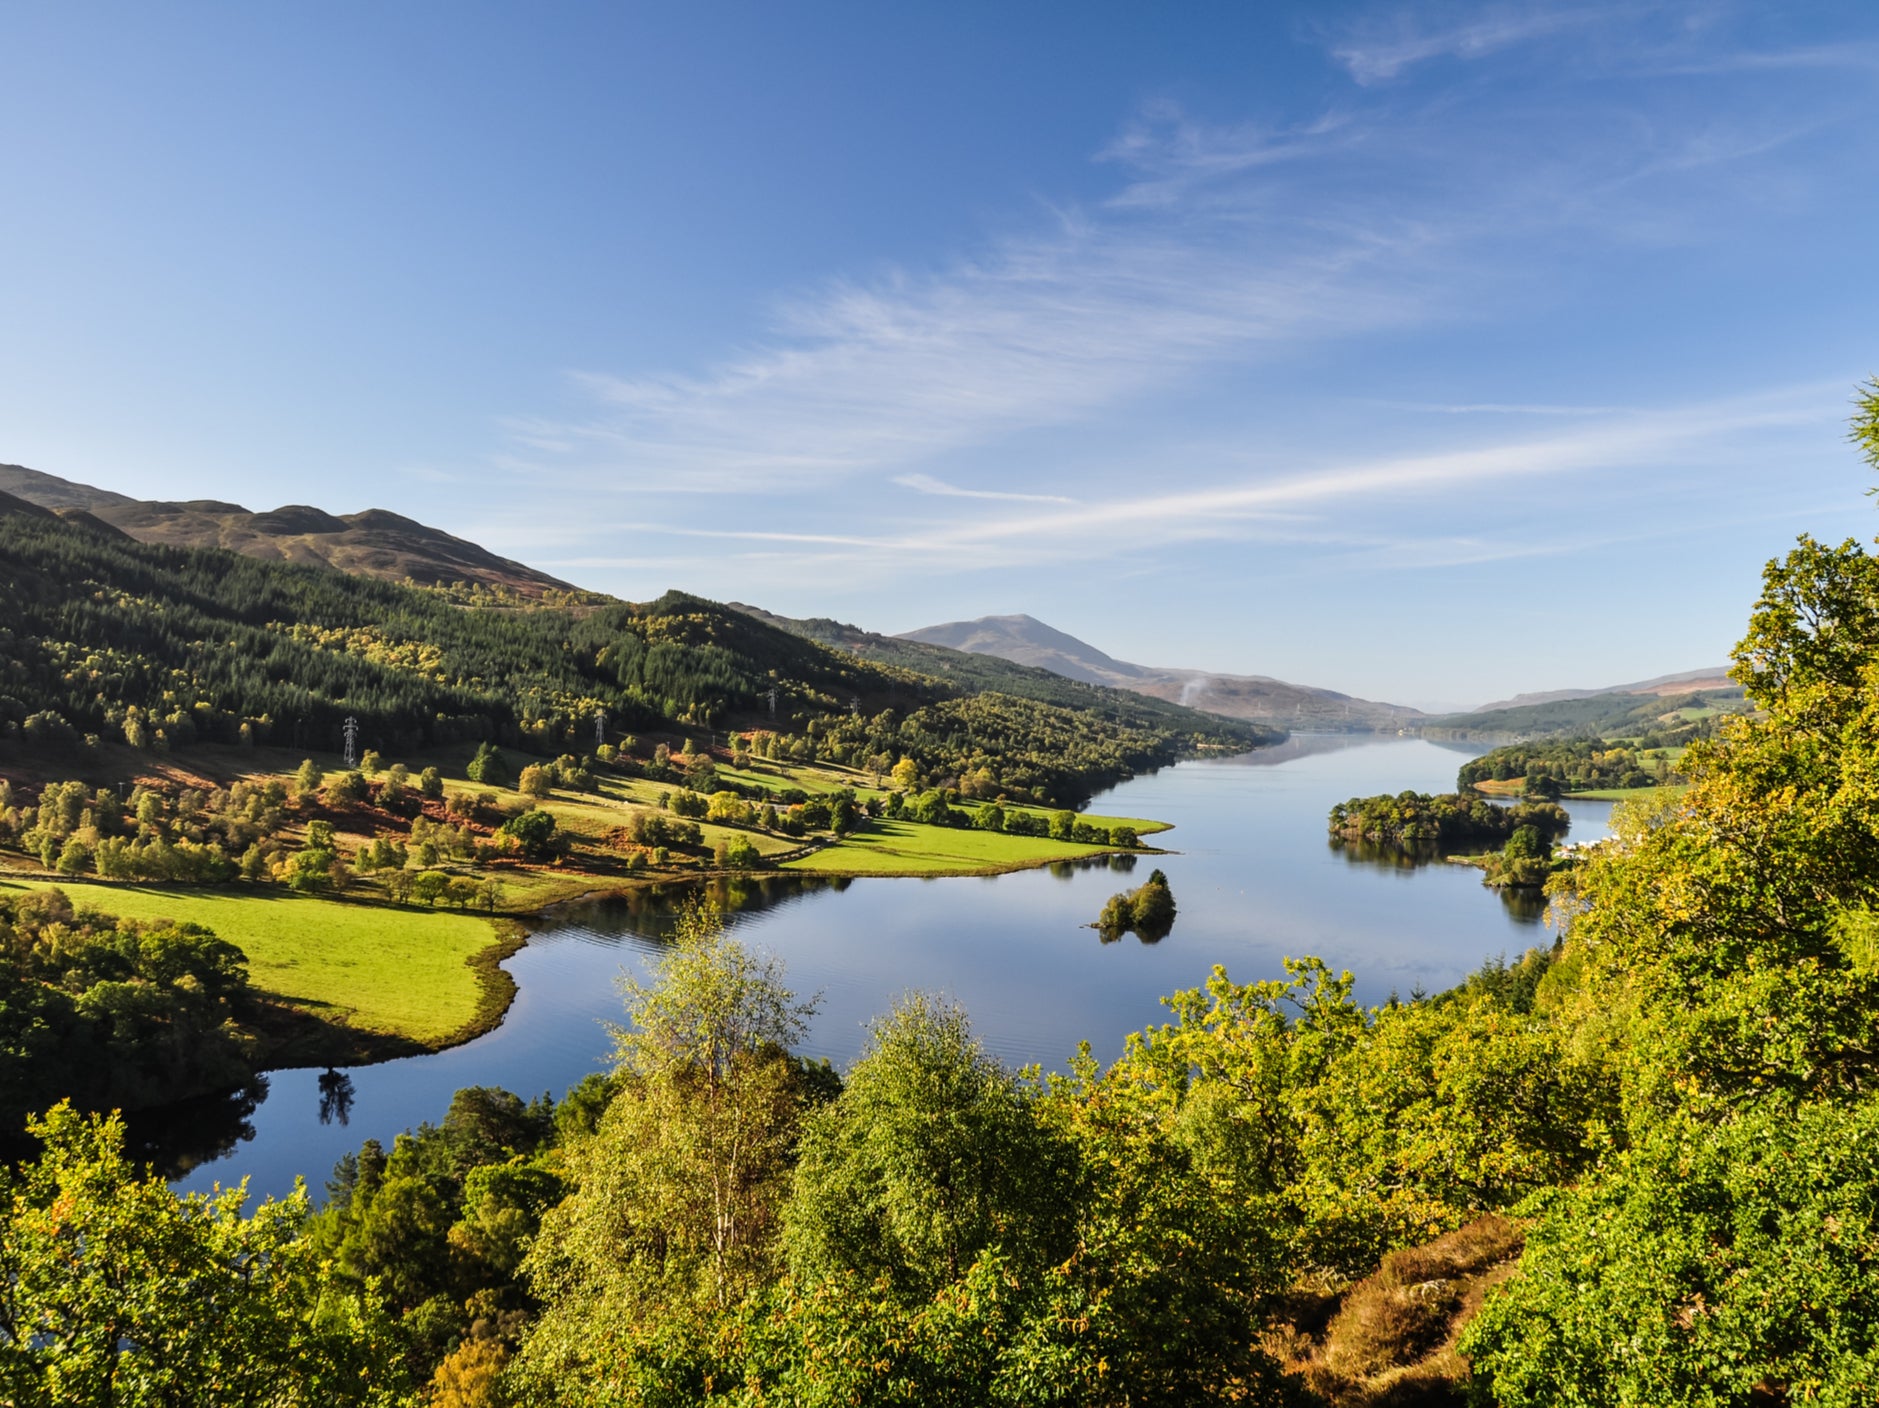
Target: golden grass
[1389, 1341]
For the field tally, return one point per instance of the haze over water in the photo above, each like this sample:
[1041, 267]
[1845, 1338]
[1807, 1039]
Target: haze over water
[1252, 873]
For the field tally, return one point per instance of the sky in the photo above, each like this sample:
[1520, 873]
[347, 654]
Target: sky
[1428, 352]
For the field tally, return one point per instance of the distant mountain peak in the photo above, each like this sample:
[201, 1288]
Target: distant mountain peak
[1026, 640]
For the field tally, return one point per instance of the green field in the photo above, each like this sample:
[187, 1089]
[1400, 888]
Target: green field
[1627, 794]
[820, 778]
[400, 972]
[910, 848]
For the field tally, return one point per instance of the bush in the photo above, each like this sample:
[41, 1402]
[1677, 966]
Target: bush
[532, 833]
[1713, 1262]
[1148, 911]
[739, 853]
[489, 767]
[346, 790]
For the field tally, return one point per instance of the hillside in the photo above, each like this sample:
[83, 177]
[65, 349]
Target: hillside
[375, 543]
[1028, 641]
[1688, 682]
[1615, 714]
[109, 637]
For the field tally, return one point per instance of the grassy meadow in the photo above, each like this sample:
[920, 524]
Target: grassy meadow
[404, 972]
[880, 848]
[912, 848]
[1628, 794]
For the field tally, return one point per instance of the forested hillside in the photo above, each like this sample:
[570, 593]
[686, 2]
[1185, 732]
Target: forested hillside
[1667, 719]
[1581, 764]
[107, 637]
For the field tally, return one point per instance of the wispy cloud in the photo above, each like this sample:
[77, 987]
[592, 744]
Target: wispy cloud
[1036, 331]
[1497, 408]
[1379, 50]
[1854, 55]
[1219, 254]
[927, 484]
[1171, 156]
[1224, 245]
[1337, 506]
[1631, 441]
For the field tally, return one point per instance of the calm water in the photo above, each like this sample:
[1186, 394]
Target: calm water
[1254, 878]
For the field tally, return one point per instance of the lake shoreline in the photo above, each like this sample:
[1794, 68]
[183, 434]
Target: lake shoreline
[1257, 883]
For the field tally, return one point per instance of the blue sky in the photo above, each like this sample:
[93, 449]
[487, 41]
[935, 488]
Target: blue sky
[1428, 352]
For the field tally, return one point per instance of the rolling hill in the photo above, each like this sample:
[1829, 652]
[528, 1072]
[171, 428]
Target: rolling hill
[1668, 705]
[103, 636]
[375, 543]
[1688, 682]
[1025, 640]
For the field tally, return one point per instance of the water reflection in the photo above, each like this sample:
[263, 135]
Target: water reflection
[193, 1132]
[1524, 904]
[653, 911]
[1385, 855]
[336, 1096]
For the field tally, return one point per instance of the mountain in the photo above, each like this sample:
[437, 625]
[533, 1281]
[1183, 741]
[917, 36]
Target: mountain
[965, 669]
[375, 543]
[1026, 640]
[1690, 681]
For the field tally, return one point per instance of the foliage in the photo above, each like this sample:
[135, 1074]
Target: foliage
[202, 835]
[116, 1292]
[1664, 720]
[407, 974]
[1865, 426]
[1449, 822]
[929, 1157]
[532, 833]
[1716, 1264]
[1025, 748]
[436, 1229]
[106, 635]
[677, 1190]
[1147, 911]
[489, 767]
[1572, 765]
[111, 1011]
[1527, 859]
[1718, 959]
